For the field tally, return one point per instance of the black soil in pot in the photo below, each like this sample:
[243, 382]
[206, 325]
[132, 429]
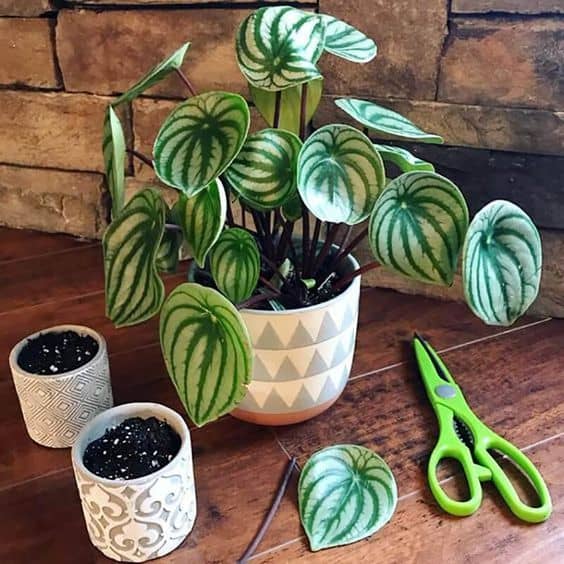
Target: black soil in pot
[134, 448]
[57, 352]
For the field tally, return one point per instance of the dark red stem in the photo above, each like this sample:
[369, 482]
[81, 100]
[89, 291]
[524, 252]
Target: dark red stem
[257, 299]
[143, 158]
[277, 109]
[350, 247]
[185, 80]
[342, 282]
[330, 238]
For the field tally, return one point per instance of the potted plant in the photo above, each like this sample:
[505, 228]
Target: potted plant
[267, 322]
[62, 380]
[133, 469]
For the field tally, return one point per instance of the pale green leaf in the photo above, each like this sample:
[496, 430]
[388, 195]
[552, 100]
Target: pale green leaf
[168, 253]
[113, 147]
[134, 291]
[200, 139]
[345, 493]
[418, 226]
[347, 42]
[207, 351]
[501, 263]
[340, 174]
[403, 159]
[385, 121]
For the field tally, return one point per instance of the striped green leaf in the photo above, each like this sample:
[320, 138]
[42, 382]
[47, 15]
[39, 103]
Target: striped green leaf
[403, 159]
[278, 47]
[235, 264]
[156, 74]
[168, 253]
[134, 291]
[347, 42]
[340, 174]
[264, 172]
[384, 121]
[345, 493]
[113, 147]
[199, 139]
[290, 103]
[207, 351]
[202, 218]
[501, 263]
[292, 209]
[418, 226]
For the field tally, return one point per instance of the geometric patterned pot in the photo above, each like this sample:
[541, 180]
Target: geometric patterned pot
[302, 357]
[56, 408]
[144, 518]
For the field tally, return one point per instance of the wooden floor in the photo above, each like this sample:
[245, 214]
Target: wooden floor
[513, 378]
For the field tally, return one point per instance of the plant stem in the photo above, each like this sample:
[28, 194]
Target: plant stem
[287, 231]
[187, 83]
[143, 158]
[173, 227]
[348, 277]
[329, 239]
[277, 109]
[349, 249]
[229, 210]
[257, 299]
[305, 240]
[269, 284]
[313, 247]
[270, 515]
[303, 111]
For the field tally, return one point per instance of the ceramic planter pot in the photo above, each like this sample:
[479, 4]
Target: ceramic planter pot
[143, 518]
[302, 358]
[56, 408]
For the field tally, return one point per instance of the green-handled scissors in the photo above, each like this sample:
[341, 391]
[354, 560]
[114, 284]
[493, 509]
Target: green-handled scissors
[465, 438]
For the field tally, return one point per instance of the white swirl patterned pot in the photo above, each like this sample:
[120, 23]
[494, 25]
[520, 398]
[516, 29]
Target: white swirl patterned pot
[302, 357]
[143, 518]
[56, 408]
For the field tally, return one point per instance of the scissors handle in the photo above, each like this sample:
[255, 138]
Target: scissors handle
[530, 514]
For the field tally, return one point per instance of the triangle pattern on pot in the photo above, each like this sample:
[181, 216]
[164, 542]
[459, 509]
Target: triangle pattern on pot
[287, 371]
[349, 317]
[316, 365]
[328, 328]
[274, 403]
[301, 337]
[260, 371]
[269, 339]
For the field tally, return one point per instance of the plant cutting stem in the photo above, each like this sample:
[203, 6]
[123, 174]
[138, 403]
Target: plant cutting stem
[287, 231]
[270, 515]
[349, 249]
[329, 239]
[313, 247]
[269, 284]
[348, 277]
[305, 240]
[143, 158]
[303, 111]
[277, 109]
[257, 299]
[188, 84]
[173, 227]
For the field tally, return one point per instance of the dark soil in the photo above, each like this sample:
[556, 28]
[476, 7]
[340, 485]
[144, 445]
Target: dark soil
[55, 353]
[135, 448]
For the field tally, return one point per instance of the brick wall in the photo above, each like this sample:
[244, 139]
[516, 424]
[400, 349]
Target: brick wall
[488, 75]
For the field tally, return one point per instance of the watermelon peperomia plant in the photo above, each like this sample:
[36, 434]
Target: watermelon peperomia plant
[279, 179]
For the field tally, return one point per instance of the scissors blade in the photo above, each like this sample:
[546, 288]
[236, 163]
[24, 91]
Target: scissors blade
[440, 368]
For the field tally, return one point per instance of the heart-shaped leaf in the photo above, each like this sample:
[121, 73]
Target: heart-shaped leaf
[167, 255]
[501, 263]
[207, 351]
[235, 264]
[347, 42]
[200, 139]
[134, 291]
[156, 74]
[290, 104]
[113, 147]
[384, 121]
[340, 174]
[418, 226]
[264, 172]
[346, 493]
[202, 218]
[403, 159]
[278, 47]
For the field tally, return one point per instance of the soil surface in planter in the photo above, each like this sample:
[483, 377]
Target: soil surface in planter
[57, 352]
[135, 448]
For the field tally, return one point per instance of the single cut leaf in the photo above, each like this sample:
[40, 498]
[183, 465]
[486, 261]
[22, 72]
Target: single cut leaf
[202, 218]
[235, 264]
[278, 47]
[134, 291]
[290, 103]
[384, 121]
[207, 351]
[200, 139]
[418, 226]
[501, 263]
[264, 172]
[403, 159]
[113, 147]
[347, 42]
[167, 255]
[345, 493]
[156, 74]
[340, 174]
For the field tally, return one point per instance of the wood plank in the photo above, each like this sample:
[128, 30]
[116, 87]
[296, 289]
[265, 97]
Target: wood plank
[237, 468]
[420, 532]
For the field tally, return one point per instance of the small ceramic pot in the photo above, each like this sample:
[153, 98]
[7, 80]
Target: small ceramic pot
[302, 357]
[143, 518]
[56, 408]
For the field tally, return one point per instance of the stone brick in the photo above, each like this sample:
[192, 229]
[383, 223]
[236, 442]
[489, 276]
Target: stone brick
[109, 51]
[135, 185]
[510, 129]
[500, 62]
[27, 57]
[409, 35]
[508, 6]
[51, 200]
[24, 7]
[60, 130]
